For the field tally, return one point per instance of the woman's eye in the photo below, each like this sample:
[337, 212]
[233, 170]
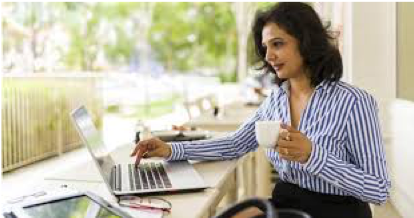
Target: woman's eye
[277, 44]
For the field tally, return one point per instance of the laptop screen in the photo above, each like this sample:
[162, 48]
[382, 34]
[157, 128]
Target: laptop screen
[93, 140]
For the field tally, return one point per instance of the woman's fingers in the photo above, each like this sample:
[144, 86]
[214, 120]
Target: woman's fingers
[288, 144]
[142, 149]
[283, 133]
[293, 145]
[289, 128]
[288, 135]
[289, 157]
[134, 152]
[288, 151]
[153, 147]
[152, 153]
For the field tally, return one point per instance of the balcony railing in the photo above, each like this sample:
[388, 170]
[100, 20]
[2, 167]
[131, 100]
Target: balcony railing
[35, 115]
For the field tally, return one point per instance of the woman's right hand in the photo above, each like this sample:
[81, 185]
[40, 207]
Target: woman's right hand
[153, 147]
[180, 128]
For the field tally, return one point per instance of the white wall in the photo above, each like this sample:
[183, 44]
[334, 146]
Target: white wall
[405, 26]
[370, 62]
[399, 149]
[370, 47]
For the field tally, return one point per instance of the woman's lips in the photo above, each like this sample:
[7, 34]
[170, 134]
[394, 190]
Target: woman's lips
[278, 67]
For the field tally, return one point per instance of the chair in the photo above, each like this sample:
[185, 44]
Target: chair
[265, 206]
[202, 105]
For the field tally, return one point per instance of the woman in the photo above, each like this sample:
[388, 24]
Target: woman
[330, 157]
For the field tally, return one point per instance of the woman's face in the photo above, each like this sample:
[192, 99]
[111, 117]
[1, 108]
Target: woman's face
[282, 52]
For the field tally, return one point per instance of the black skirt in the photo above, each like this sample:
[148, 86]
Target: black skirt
[290, 196]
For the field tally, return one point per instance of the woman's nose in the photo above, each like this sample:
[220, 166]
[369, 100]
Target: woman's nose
[270, 56]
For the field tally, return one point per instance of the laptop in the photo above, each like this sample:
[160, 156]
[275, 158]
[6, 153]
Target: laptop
[126, 179]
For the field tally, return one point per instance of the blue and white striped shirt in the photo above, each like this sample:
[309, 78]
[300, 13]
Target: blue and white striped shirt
[342, 123]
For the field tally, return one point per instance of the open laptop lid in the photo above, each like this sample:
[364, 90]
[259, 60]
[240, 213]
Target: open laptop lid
[93, 141]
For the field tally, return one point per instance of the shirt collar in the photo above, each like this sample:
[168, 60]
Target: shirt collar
[285, 86]
[325, 85]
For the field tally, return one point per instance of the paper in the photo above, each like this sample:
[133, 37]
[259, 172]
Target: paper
[147, 213]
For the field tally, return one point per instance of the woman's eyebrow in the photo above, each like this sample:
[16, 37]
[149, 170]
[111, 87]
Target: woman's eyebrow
[272, 39]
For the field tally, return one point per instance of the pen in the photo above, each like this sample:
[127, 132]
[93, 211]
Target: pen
[137, 206]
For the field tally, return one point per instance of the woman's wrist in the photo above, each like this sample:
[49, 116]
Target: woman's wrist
[168, 151]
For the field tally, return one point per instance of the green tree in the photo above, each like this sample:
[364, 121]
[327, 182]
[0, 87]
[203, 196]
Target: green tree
[183, 36]
[189, 35]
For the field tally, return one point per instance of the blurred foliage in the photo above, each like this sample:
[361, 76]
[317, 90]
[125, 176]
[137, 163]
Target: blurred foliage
[70, 36]
[228, 77]
[188, 35]
[156, 108]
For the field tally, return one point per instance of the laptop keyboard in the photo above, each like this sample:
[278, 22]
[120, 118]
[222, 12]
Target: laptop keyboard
[146, 176]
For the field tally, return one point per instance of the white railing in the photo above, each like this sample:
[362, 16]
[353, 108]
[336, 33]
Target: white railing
[35, 107]
[35, 115]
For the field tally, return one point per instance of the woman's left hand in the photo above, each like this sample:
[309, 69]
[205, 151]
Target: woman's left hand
[293, 145]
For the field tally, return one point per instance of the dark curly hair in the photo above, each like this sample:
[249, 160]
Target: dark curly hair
[320, 55]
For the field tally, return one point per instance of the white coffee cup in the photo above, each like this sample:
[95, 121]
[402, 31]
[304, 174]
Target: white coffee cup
[267, 133]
